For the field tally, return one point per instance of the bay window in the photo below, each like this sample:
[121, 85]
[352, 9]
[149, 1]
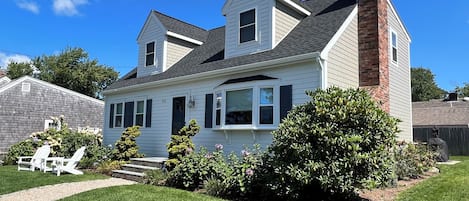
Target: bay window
[238, 107]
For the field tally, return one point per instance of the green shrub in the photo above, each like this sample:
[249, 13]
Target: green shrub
[215, 187]
[126, 147]
[412, 160]
[94, 155]
[23, 148]
[181, 144]
[328, 148]
[155, 177]
[108, 166]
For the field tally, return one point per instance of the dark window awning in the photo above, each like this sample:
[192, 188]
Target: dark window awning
[248, 79]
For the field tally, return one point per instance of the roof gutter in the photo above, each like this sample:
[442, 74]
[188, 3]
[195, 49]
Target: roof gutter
[215, 73]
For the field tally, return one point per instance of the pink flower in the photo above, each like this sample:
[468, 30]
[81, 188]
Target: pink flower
[245, 153]
[189, 150]
[219, 147]
[249, 172]
[209, 156]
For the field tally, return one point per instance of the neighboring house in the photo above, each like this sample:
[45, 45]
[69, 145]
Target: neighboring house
[4, 80]
[238, 81]
[27, 105]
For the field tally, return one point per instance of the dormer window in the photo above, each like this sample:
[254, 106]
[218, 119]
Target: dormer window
[247, 26]
[150, 54]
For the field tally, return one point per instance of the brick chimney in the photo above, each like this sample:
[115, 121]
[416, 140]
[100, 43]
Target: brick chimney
[373, 40]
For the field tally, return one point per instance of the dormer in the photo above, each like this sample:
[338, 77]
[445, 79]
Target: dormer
[163, 41]
[259, 25]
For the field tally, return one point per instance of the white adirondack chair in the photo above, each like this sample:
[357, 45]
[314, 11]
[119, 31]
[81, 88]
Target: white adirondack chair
[35, 161]
[69, 165]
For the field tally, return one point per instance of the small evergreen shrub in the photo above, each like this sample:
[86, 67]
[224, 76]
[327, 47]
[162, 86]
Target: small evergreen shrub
[412, 160]
[328, 148]
[126, 147]
[106, 167]
[155, 177]
[181, 144]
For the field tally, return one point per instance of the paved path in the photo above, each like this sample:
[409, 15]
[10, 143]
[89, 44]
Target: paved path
[59, 191]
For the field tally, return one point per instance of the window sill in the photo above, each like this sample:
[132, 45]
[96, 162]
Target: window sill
[245, 128]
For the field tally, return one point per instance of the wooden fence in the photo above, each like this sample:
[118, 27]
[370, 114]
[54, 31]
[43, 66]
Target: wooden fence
[457, 138]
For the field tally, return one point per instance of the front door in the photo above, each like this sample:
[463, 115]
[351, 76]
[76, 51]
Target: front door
[179, 114]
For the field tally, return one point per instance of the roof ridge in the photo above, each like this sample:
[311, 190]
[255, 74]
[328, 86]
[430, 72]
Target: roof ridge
[165, 15]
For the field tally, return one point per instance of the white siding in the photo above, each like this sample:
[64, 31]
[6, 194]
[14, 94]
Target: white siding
[399, 80]
[343, 59]
[176, 50]
[264, 24]
[153, 31]
[285, 20]
[303, 76]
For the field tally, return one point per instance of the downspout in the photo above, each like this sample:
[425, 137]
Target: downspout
[323, 63]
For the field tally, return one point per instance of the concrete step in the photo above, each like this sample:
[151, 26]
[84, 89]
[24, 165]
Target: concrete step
[137, 168]
[157, 162]
[129, 175]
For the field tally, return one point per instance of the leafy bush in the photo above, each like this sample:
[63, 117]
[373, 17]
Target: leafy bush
[106, 167]
[412, 160]
[94, 155]
[23, 148]
[155, 177]
[181, 144]
[126, 147]
[336, 143]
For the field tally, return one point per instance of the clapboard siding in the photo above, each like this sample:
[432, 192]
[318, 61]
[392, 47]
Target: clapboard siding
[176, 50]
[153, 31]
[304, 76]
[285, 20]
[263, 27]
[399, 80]
[343, 58]
[23, 113]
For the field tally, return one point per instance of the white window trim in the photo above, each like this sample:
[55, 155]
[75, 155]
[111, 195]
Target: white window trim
[391, 47]
[115, 115]
[255, 125]
[144, 112]
[255, 26]
[154, 54]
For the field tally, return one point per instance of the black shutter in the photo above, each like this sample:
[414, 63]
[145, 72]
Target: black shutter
[208, 110]
[285, 100]
[111, 116]
[129, 114]
[148, 114]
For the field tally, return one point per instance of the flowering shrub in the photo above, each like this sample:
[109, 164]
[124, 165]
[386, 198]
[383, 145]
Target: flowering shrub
[412, 160]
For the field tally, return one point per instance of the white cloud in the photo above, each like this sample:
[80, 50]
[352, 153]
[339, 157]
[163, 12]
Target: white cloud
[68, 7]
[6, 59]
[28, 5]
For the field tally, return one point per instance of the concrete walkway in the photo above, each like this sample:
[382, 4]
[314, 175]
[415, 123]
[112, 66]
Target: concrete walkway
[59, 191]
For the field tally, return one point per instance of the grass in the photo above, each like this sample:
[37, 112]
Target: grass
[139, 192]
[451, 184]
[12, 180]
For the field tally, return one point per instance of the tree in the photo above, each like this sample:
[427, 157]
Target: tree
[423, 84]
[73, 70]
[463, 91]
[17, 70]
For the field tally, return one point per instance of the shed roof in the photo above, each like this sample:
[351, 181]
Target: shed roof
[440, 113]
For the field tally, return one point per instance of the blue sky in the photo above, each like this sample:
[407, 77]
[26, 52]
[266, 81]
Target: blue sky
[107, 30]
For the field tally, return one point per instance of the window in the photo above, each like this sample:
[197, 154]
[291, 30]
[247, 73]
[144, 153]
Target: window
[218, 109]
[266, 106]
[394, 46]
[139, 113]
[150, 54]
[25, 87]
[238, 107]
[247, 26]
[118, 115]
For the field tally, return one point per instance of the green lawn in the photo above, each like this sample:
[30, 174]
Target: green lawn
[451, 184]
[139, 192]
[12, 180]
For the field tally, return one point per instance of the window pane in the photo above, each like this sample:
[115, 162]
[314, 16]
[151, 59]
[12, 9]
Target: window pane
[266, 115]
[118, 121]
[139, 120]
[140, 106]
[394, 39]
[119, 108]
[247, 34]
[218, 100]
[394, 54]
[218, 117]
[247, 17]
[267, 96]
[151, 47]
[239, 107]
[150, 59]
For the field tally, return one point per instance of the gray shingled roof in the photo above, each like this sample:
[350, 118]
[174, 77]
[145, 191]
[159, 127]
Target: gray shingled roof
[439, 113]
[180, 27]
[311, 35]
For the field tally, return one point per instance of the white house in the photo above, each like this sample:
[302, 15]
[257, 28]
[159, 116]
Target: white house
[238, 81]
